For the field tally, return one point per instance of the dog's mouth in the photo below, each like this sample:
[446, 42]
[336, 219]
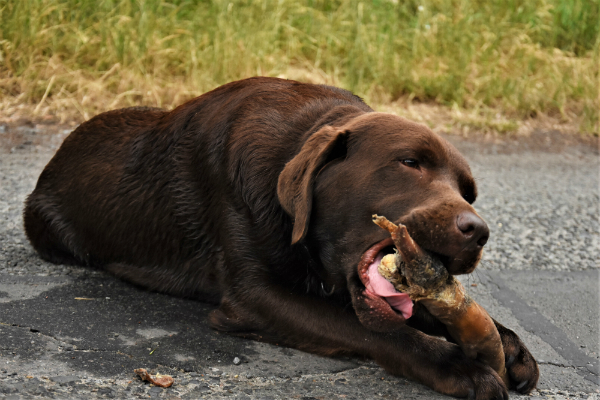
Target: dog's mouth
[381, 294]
[374, 254]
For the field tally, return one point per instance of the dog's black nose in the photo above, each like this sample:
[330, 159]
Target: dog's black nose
[474, 229]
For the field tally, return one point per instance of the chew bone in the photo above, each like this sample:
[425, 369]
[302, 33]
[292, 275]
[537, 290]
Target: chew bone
[425, 279]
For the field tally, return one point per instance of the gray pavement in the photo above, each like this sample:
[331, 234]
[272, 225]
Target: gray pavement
[69, 332]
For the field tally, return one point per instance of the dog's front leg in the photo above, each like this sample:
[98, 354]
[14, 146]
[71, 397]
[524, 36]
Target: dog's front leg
[315, 325]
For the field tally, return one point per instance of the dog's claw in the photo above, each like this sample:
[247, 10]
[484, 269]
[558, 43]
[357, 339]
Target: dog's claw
[522, 385]
[510, 361]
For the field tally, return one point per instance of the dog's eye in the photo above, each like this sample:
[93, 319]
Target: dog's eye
[410, 162]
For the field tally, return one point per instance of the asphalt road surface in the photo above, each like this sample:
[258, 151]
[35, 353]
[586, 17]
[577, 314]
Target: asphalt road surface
[68, 332]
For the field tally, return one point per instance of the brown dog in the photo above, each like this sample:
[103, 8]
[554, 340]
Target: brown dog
[258, 196]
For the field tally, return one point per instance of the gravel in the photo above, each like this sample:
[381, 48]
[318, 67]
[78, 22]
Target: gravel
[542, 211]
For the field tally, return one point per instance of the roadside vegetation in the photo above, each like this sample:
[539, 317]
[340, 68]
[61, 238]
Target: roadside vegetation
[484, 64]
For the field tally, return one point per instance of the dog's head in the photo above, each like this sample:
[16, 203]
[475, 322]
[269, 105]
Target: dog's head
[380, 164]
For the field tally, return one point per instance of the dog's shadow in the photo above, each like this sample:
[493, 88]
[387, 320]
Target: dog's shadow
[108, 327]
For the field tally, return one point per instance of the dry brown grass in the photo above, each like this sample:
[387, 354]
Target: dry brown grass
[460, 66]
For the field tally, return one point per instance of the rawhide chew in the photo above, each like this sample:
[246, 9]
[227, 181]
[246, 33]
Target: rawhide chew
[425, 279]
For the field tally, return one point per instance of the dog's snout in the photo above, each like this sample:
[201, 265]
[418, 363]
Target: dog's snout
[473, 228]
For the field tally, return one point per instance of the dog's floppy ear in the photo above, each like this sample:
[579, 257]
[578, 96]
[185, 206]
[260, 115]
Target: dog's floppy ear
[295, 185]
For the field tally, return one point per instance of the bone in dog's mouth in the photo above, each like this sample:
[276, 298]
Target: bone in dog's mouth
[380, 286]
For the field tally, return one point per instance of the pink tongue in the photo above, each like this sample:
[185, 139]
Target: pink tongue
[381, 287]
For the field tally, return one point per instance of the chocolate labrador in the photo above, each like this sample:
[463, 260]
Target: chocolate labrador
[258, 196]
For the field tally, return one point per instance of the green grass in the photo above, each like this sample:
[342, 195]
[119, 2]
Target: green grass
[522, 58]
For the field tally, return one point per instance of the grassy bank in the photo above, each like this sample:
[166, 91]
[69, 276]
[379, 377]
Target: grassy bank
[496, 60]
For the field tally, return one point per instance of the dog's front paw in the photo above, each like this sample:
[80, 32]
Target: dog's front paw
[445, 368]
[473, 380]
[522, 368]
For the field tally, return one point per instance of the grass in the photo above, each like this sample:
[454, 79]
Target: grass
[497, 62]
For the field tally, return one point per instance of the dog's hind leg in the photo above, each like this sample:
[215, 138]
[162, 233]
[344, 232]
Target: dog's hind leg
[43, 227]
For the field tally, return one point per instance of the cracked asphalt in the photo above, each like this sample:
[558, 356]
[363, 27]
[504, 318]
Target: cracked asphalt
[71, 332]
